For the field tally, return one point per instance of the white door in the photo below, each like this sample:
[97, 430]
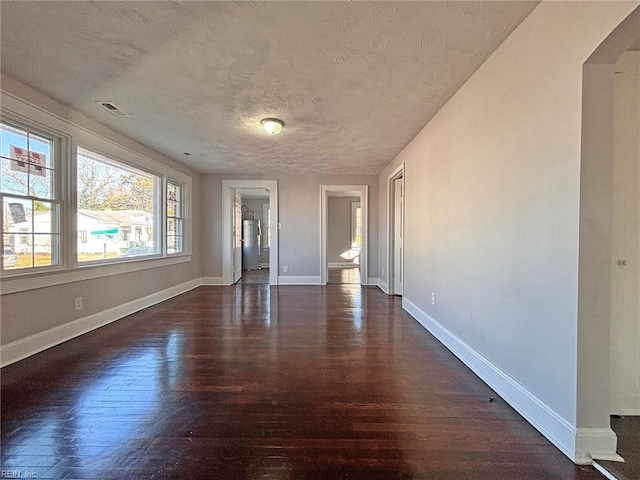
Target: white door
[237, 237]
[398, 236]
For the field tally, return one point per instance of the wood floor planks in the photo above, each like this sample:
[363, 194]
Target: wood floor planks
[251, 382]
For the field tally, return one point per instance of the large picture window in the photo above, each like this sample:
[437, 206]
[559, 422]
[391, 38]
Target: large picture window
[117, 208]
[30, 199]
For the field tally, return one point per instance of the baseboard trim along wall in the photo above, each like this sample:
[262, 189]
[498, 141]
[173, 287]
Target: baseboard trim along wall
[25, 347]
[581, 445]
[211, 280]
[298, 280]
[382, 285]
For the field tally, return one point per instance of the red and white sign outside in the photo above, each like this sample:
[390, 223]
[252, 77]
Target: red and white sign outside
[26, 161]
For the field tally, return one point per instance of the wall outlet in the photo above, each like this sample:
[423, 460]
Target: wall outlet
[433, 298]
[382, 272]
[285, 269]
[78, 303]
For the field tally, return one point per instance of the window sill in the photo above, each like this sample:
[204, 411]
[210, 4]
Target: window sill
[35, 280]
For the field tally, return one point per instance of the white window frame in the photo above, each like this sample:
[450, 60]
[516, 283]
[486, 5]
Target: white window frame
[60, 147]
[166, 216]
[157, 214]
[22, 113]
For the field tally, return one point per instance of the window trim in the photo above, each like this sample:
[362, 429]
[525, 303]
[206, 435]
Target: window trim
[157, 214]
[14, 109]
[165, 184]
[58, 167]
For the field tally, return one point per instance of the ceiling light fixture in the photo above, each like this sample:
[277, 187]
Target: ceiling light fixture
[272, 125]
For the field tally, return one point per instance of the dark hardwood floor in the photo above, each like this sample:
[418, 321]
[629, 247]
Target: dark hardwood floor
[252, 382]
[628, 431]
[260, 276]
[344, 275]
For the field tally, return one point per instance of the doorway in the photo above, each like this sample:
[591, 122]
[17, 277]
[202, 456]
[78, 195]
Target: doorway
[232, 202]
[395, 231]
[256, 235]
[343, 237]
[597, 336]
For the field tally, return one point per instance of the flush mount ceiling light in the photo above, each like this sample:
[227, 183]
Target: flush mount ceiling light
[272, 125]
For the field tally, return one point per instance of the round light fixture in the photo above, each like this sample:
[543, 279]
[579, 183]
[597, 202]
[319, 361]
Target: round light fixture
[272, 125]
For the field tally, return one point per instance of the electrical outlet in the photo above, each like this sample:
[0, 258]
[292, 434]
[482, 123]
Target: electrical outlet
[78, 303]
[285, 269]
[433, 298]
[382, 272]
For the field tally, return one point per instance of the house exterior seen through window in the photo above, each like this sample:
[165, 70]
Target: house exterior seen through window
[30, 199]
[116, 208]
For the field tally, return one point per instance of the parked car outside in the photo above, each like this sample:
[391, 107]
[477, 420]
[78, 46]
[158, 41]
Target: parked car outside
[135, 251]
[9, 258]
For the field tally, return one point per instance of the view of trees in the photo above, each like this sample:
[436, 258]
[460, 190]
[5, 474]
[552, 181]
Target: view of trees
[102, 186]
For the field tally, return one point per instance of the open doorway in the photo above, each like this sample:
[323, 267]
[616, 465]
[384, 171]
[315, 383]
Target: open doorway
[344, 238]
[603, 268]
[395, 232]
[343, 217]
[256, 235]
[625, 264]
[235, 195]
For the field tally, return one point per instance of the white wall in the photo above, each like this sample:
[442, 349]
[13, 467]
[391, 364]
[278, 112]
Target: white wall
[27, 314]
[339, 228]
[492, 216]
[625, 279]
[299, 204]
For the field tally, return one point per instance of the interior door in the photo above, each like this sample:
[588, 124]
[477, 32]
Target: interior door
[398, 236]
[237, 237]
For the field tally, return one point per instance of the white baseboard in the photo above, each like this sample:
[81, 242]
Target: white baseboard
[25, 347]
[264, 265]
[372, 281]
[382, 285]
[299, 281]
[211, 280]
[630, 412]
[596, 444]
[580, 445]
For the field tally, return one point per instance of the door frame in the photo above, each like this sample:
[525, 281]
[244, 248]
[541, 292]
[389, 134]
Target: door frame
[228, 188]
[363, 192]
[397, 173]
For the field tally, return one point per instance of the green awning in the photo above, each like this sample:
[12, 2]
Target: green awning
[108, 231]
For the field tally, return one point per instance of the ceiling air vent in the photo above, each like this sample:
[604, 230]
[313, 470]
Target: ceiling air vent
[113, 109]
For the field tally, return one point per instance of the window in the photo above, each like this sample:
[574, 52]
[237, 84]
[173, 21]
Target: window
[356, 225]
[30, 198]
[63, 209]
[174, 218]
[117, 206]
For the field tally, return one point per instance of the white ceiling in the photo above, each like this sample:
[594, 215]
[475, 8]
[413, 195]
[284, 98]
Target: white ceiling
[354, 82]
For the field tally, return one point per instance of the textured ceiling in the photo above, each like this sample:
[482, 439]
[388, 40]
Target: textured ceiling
[354, 82]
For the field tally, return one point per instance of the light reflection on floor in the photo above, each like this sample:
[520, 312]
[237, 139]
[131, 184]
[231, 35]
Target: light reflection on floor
[349, 275]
